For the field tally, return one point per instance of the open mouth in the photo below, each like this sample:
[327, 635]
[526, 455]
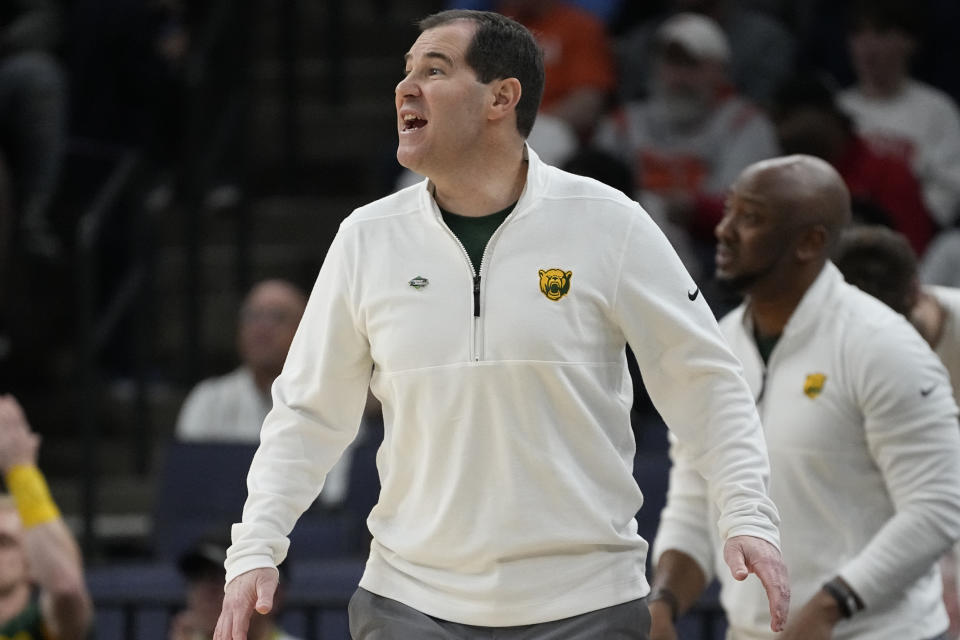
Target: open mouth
[723, 256]
[412, 122]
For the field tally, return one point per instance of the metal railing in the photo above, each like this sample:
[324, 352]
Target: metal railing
[96, 328]
[212, 121]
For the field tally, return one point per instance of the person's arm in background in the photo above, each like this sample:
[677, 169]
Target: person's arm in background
[914, 441]
[54, 558]
[683, 551]
[677, 584]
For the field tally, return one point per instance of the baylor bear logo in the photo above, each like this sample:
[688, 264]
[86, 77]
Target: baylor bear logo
[554, 283]
[814, 384]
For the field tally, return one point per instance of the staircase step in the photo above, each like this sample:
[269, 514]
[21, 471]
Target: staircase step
[117, 493]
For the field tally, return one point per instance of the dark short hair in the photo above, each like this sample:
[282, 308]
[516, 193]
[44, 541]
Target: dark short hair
[881, 262]
[808, 89]
[907, 16]
[501, 48]
[204, 559]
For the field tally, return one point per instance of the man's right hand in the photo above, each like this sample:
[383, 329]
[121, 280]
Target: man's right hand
[248, 592]
[18, 443]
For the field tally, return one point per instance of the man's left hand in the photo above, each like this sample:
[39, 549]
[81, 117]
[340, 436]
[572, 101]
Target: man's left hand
[747, 554]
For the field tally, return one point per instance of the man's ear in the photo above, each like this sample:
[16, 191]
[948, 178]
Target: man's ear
[506, 94]
[813, 243]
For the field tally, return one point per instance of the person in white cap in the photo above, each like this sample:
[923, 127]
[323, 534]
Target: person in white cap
[691, 137]
[762, 48]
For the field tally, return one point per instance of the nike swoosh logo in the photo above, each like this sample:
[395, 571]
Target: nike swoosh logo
[926, 392]
[693, 294]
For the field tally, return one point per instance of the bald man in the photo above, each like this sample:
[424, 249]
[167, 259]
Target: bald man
[860, 424]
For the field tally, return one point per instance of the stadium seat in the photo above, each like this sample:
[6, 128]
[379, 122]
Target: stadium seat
[201, 489]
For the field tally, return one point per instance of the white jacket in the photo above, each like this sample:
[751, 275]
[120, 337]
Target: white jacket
[865, 460]
[506, 468]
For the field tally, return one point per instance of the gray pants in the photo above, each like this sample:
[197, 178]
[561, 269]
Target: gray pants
[374, 617]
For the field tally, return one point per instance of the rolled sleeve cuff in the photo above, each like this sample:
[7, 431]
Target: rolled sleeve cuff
[238, 566]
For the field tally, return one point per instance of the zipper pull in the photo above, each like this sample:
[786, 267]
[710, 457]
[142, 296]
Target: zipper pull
[476, 296]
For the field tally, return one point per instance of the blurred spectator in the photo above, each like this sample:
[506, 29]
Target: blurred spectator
[690, 139]
[32, 116]
[232, 407]
[126, 63]
[941, 263]
[761, 49]
[42, 588]
[882, 187]
[577, 58]
[899, 114]
[202, 568]
[823, 41]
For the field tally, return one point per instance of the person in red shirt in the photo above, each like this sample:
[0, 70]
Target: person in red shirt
[883, 187]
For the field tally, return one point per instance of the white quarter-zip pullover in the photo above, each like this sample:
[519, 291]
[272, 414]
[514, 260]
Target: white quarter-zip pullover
[506, 467]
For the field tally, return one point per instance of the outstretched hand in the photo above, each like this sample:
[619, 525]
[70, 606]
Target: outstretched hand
[747, 554]
[248, 592]
[18, 443]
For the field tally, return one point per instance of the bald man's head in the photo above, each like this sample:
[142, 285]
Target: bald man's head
[782, 219]
[805, 190]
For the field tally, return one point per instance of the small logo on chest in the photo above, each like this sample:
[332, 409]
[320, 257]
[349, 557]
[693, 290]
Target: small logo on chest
[813, 385]
[419, 282]
[555, 283]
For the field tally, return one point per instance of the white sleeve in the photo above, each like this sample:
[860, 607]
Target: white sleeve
[695, 381]
[915, 441]
[318, 401]
[684, 522]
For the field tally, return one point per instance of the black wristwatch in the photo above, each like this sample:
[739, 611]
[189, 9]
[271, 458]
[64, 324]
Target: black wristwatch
[847, 599]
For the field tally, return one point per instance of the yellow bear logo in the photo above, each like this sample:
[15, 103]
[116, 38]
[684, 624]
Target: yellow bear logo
[814, 384]
[555, 283]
